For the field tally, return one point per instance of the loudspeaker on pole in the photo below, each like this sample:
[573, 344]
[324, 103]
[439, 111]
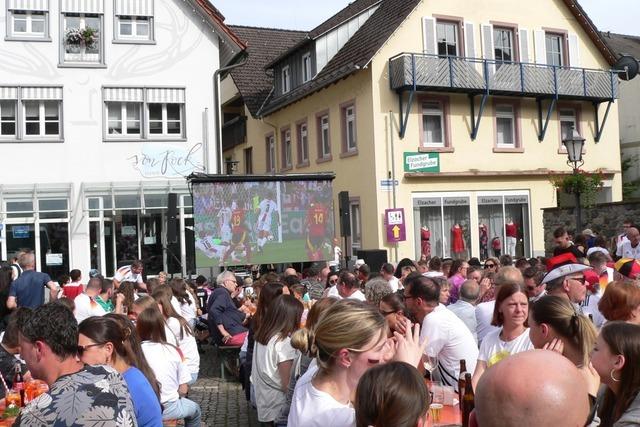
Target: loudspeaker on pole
[172, 218]
[345, 214]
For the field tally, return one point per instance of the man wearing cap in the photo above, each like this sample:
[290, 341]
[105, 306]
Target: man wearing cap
[630, 248]
[566, 278]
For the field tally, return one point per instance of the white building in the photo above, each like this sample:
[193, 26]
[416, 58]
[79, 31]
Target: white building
[105, 105]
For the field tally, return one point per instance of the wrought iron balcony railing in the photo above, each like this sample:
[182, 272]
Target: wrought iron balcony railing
[409, 71]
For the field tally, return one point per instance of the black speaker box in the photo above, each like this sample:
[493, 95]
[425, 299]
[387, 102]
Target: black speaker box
[172, 218]
[374, 258]
[345, 214]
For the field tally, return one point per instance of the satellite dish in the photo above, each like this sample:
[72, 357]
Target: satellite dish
[627, 66]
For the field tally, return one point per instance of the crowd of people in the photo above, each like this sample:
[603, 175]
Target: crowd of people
[547, 341]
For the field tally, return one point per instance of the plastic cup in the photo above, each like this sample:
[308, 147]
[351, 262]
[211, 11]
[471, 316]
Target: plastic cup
[435, 410]
[12, 398]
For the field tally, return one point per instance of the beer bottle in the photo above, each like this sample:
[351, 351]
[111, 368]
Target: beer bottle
[462, 381]
[468, 400]
[18, 381]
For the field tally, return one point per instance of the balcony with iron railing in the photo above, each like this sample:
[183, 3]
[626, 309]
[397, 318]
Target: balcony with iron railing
[455, 74]
[234, 132]
[417, 72]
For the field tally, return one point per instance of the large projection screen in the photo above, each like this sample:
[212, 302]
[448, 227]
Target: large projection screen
[262, 219]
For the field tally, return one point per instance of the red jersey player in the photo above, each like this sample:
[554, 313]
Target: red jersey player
[316, 221]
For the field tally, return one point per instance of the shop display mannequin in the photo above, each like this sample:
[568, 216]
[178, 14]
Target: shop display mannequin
[425, 242]
[457, 240]
[484, 240]
[511, 237]
[496, 245]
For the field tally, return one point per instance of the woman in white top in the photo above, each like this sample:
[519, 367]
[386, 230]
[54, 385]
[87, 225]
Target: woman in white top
[180, 330]
[350, 338]
[186, 301]
[273, 356]
[168, 365]
[510, 314]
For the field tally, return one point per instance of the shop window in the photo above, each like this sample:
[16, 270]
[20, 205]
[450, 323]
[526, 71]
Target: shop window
[447, 219]
[19, 209]
[53, 208]
[503, 225]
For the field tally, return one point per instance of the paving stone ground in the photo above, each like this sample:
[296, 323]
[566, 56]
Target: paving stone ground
[222, 402]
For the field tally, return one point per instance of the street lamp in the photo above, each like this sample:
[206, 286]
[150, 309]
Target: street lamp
[574, 144]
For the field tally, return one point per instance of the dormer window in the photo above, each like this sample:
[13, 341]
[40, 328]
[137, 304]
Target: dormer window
[306, 67]
[286, 79]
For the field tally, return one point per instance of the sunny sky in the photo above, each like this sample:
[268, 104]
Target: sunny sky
[619, 16]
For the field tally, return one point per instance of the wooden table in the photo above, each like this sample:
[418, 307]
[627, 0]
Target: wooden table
[449, 416]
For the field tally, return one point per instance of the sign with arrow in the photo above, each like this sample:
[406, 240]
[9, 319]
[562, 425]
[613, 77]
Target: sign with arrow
[394, 223]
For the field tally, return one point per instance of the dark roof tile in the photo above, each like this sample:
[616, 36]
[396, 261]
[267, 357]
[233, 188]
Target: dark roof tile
[263, 45]
[623, 44]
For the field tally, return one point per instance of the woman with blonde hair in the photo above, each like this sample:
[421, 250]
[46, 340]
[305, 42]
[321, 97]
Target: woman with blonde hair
[350, 338]
[555, 324]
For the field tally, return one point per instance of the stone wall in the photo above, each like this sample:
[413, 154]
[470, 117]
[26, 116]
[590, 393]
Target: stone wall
[605, 219]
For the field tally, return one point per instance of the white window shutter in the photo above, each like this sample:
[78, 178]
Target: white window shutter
[539, 40]
[429, 35]
[487, 42]
[574, 52]
[524, 46]
[469, 40]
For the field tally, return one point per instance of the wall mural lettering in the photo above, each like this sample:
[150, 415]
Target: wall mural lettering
[157, 160]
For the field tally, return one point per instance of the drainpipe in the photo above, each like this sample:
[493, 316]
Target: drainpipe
[217, 111]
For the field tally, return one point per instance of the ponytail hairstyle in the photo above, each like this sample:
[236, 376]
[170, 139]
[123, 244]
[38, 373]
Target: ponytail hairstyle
[574, 328]
[348, 324]
[150, 325]
[622, 338]
[164, 300]
[300, 338]
[120, 332]
[393, 394]
[179, 289]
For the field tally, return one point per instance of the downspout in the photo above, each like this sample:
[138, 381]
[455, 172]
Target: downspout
[217, 111]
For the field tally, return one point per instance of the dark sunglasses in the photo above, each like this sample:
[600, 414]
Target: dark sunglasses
[333, 281]
[489, 265]
[83, 348]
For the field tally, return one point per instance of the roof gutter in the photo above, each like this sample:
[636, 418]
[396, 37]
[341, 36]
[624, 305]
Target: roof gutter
[217, 109]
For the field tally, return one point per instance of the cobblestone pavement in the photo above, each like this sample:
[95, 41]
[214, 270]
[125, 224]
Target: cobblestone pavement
[222, 401]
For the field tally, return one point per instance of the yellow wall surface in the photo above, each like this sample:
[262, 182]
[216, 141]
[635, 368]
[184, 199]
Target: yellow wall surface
[479, 155]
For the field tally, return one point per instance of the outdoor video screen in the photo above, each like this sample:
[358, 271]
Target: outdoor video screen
[262, 222]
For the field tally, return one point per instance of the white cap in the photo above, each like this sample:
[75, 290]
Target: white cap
[564, 270]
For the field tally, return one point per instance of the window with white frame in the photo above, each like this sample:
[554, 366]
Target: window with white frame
[286, 79]
[303, 143]
[350, 128]
[505, 126]
[8, 118]
[503, 45]
[447, 36]
[144, 113]
[41, 118]
[555, 49]
[433, 124]
[306, 67]
[286, 149]
[124, 119]
[271, 153]
[27, 24]
[81, 38]
[134, 27]
[568, 122]
[323, 136]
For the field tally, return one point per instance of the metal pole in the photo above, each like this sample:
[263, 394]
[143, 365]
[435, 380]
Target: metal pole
[393, 175]
[578, 207]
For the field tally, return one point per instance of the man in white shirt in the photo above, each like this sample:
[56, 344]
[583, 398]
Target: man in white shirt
[130, 273]
[435, 268]
[464, 308]
[387, 271]
[532, 282]
[94, 301]
[484, 311]
[348, 286]
[267, 210]
[630, 248]
[449, 340]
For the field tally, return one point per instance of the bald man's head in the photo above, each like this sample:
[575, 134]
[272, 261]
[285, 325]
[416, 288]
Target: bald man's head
[533, 388]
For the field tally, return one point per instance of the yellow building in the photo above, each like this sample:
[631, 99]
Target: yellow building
[464, 104]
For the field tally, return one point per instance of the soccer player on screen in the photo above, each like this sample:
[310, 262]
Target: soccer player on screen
[224, 223]
[238, 244]
[316, 225]
[267, 209]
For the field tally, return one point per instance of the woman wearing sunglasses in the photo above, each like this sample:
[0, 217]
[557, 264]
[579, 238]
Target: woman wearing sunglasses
[112, 340]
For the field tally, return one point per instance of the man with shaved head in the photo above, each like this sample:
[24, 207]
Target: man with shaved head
[531, 389]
